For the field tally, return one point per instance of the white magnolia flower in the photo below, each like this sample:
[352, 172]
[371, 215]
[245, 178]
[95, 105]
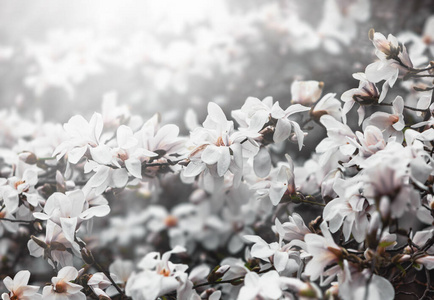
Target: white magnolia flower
[98, 282]
[283, 260]
[265, 287]
[17, 186]
[83, 136]
[62, 288]
[69, 211]
[394, 61]
[324, 251]
[390, 124]
[337, 139]
[356, 285]
[350, 209]
[278, 183]
[295, 229]
[57, 243]
[159, 276]
[104, 177]
[306, 92]
[120, 270]
[216, 148]
[328, 105]
[366, 94]
[18, 288]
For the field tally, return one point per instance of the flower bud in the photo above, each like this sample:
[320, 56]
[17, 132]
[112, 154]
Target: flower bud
[39, 242]
[28, 157]
[87, 256]
[217, 273]
[384, 208]
[310, 291]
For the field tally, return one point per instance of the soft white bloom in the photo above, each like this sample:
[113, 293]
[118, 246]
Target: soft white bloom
[62, 288]
[394, 61]
[159, 276]
[295, 229]
[265, 287]
[278, 254]
[278, 183]
[18, 186]
[390, 124]
[324, 251]
[351, 209]
[337, 139]
[69, 211]
[98, 282]
[121, 270]
[18, 288]
[104, 177]
[327, 105]
[356, 285]
[216, 146]
[306, 92]
[366, 94]
[83, 136]
[57, 243]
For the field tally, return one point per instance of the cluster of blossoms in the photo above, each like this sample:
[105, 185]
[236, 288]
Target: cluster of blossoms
[217, 214]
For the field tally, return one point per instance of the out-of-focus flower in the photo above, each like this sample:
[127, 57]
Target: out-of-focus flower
[306, 92]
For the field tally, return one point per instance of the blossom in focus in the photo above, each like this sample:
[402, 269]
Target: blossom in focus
[366, 94]
[62, 288]
[159, 276]
[18, 288]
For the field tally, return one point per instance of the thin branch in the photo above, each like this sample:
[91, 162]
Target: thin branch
[405, 106]
[17, 221]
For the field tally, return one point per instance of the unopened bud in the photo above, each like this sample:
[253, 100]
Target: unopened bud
[87, 256]
[57, 246]
[37, 226]
[332, 292]
[371, 34]
[207, 293]
[39, 242]
[310, 291]
[384, 207]
[237, 281]
[28, 157]
[217, 273]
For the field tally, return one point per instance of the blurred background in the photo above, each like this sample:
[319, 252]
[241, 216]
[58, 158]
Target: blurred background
[64, 57]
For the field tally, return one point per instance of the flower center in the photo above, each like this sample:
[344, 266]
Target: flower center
[18, 183]
[393, 119]
[171, 221]
[165, 272]
[60, 287]
[14, 297]
[220, 142]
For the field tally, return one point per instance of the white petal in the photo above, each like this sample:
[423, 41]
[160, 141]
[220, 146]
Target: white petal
[262, 163]
[283, 130]
[134, 166]
[224, 161]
